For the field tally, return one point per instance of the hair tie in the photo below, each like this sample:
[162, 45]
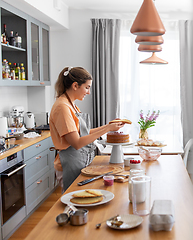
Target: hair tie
[67, 72]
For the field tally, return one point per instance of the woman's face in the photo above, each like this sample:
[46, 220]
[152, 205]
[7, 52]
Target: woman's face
[83, 90]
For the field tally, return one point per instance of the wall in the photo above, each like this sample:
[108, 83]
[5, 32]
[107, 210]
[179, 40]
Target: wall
[10, 97]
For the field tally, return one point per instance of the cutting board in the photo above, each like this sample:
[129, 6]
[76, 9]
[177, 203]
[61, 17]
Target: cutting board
[101, 169]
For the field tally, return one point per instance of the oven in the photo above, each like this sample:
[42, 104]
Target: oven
[12, 186]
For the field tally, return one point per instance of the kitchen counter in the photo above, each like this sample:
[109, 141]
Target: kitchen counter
[170, 180]
[24, 143]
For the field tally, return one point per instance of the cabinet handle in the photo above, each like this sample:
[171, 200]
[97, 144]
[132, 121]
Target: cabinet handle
[42, 83]
[39, 182]
[39, 145]
[38, 157]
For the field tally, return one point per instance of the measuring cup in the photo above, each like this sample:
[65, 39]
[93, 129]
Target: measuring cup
[62, 218]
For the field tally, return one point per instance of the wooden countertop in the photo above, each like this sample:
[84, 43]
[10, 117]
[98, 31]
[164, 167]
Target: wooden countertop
[170, 180]
[24, 143]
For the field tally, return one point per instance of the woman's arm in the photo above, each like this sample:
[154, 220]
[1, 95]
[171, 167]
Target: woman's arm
[78, 142]
[93, 130]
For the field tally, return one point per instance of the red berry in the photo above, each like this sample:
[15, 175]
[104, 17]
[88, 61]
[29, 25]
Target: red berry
[138, 161]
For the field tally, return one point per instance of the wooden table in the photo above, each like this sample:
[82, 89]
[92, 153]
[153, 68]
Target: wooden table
[170, 180]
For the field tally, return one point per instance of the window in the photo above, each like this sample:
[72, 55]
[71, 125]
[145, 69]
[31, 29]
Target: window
[151, 87]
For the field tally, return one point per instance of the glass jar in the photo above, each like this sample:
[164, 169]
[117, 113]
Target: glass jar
[134, 172]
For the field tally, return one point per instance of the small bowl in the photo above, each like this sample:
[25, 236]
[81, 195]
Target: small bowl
[127, 161]
[108, 180]
[135, 164]
[150, 153]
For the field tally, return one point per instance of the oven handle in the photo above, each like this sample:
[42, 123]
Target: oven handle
[14, 171]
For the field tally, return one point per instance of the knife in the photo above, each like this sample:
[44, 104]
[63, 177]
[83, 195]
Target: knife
[92, 179]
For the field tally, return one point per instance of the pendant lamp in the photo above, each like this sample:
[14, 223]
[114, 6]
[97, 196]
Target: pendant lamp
[147, 21]
[154, 60]
[149, 40]
[149, 48]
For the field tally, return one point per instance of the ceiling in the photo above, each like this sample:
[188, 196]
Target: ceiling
[129, 5]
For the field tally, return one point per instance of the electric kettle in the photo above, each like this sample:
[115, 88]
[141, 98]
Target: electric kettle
[29, 120]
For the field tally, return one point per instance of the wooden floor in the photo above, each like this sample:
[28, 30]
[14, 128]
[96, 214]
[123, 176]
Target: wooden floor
[31, 222]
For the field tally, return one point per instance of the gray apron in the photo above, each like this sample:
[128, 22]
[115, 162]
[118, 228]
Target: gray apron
[73, 160]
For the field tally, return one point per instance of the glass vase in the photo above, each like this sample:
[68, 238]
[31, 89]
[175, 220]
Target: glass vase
[143, 134]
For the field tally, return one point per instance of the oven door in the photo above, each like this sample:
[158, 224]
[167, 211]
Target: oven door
[12, 191]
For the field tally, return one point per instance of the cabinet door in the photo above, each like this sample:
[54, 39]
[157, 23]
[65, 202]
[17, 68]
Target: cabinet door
[45, 66]
[35, 50]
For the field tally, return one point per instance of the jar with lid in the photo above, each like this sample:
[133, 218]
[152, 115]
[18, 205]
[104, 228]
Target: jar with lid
[134, 172]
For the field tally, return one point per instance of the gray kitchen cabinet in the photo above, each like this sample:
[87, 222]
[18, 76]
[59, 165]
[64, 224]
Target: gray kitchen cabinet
[34, 53]
[36, 148]
[37, 191]
[36, 167]
[38, 173]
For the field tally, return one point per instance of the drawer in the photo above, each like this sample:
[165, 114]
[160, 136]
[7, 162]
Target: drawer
[36, 192]
[36, 149]
[36, 167]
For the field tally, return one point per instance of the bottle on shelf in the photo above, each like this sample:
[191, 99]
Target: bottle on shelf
[17, 72]
[13, 72]
[11, 39]
[5, 37]
[22, 72]
[3, 68]
[6, 72]
[9, 70]
[18, 40]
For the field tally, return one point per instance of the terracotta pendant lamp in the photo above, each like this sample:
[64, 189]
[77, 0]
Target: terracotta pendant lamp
[149, 48]
[149, 40]
[154, 60]
[147, 21]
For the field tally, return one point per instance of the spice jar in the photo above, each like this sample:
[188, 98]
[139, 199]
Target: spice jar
[133, 173]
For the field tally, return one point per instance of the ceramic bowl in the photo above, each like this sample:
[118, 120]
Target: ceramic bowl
[135, 164]
[150, 153]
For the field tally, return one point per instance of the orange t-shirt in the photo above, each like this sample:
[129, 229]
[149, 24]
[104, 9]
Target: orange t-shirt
[62, 121]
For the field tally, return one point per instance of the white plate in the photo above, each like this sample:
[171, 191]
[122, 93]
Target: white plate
[107, 197]
[129, 221]
[106, 143]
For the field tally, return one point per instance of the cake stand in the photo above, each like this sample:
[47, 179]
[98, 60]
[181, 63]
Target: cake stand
[117, 155]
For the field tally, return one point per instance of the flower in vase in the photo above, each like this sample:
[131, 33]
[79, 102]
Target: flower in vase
[149, 120]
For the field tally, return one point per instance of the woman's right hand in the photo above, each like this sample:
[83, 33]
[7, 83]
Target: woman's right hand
[115, 126]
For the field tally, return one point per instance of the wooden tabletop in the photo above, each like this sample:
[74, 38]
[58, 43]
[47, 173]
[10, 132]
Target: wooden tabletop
[170, 180]
[24, 143]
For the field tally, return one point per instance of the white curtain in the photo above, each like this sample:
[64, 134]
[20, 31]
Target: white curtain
[151, 87]
[186, 69]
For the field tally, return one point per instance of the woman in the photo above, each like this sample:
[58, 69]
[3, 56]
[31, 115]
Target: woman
[69, 128]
